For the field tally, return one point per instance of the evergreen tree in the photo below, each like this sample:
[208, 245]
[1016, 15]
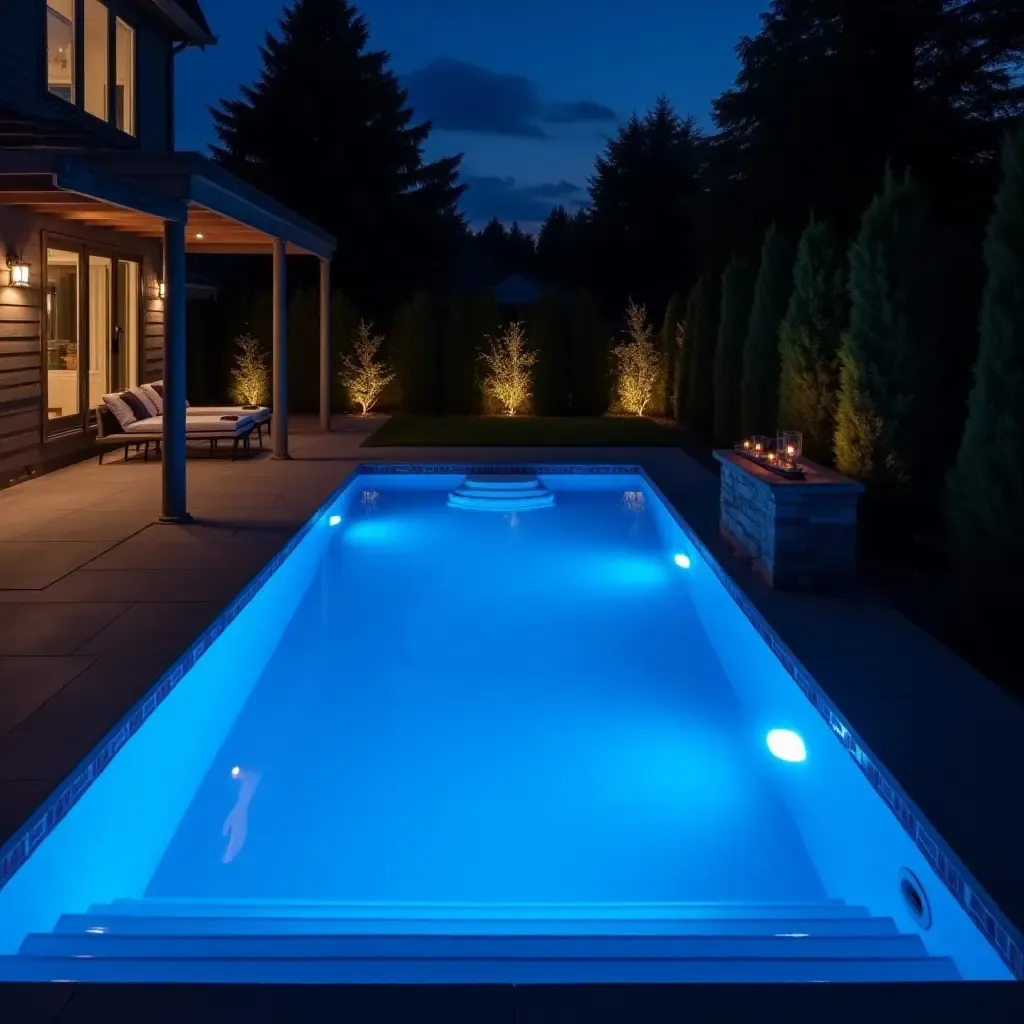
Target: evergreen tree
[414, 341]
[674, 313]
[927, 84]
[985, 493]
[889, 373]
[809, 341]
[589, 347]
[562, 243]
[326, 130]
[643, 195]
[547, 337]
[701, 340]
[737, 298]
[759, 382]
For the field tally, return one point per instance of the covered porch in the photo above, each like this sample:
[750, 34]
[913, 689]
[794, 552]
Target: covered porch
[185, 203]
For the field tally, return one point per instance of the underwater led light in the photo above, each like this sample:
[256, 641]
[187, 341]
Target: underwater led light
[787, 745]
[235, 772]
[334, 521]
[683, 561]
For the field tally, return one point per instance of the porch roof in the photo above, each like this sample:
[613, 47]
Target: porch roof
[136, 193]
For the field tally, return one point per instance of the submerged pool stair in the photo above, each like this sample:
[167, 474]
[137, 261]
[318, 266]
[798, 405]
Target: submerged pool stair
[168, 940]
[493, 492]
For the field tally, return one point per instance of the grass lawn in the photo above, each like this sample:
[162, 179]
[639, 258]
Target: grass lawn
[524, 431]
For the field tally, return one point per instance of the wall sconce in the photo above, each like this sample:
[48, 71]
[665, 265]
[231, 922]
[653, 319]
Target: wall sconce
[19, 272]
[161, 290]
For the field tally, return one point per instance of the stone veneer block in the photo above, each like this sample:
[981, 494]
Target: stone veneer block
[801, 534]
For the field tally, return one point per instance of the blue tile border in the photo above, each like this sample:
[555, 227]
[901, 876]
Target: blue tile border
[982, 910]
[990, 921]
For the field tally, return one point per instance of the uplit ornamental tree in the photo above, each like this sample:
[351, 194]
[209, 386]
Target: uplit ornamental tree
[364, 372]
[638, 362]
[509, 376]
[250, 375]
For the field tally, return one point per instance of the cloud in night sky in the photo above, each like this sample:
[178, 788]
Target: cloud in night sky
[458, 96]
[492, 196]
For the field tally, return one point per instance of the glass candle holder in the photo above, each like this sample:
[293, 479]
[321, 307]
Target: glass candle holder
[759, 444]
[792, 446]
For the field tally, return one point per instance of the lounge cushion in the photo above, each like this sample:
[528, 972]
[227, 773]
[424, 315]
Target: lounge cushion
[147, 402]
[137, 406]
[158, 387]
[260, 414]
[123, 413]
[156, 397]
[193, 425]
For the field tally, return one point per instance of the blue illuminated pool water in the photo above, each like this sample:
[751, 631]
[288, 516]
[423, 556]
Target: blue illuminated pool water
[484, 723]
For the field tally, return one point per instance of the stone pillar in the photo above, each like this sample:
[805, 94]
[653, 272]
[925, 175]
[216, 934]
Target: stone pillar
[325, 344]
[174, 502]
[280, 410]
[800, 534]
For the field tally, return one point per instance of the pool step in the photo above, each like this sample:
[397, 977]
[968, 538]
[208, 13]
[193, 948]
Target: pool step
[498, 493]
[275, 970]
[207, 924]
[472, 912]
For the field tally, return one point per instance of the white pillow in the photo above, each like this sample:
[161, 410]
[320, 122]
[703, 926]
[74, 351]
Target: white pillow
[154, 398]
[121, 410]
[144, 398]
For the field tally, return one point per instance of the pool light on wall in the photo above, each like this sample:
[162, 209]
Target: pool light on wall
[683, 561]
[334, 521]
[787, 745]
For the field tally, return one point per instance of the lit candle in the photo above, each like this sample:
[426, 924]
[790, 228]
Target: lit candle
[791, 451]
[757, 447]
[746, 444]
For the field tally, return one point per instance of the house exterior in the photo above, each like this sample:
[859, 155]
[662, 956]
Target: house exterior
[97, 213]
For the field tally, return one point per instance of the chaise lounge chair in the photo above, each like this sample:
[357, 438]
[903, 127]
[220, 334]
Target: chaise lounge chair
[126, 419]
[260, 414]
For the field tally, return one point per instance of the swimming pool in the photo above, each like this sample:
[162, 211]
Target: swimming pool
[486, 727]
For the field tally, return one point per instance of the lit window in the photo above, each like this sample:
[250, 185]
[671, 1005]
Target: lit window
[97, 64]
[125, 106]
[60, 48]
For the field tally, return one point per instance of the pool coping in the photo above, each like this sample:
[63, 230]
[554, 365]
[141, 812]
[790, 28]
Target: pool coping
[965, 889]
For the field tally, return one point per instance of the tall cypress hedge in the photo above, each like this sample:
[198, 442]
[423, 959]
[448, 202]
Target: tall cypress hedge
[413, 342]
[701, 341]
[734, 320]
[809, 340]
[759, 383]
[985, 490]
[546, 334]
[886, 414]
[675, 313]
[590, 373]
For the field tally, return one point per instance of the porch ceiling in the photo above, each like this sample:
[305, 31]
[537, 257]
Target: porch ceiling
[136, 193]
[207, 230]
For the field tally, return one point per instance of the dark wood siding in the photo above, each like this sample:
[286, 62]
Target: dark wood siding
[154, 56]
[22, 442]
[22, 40]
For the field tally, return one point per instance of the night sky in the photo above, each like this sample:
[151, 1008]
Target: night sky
[527, 90]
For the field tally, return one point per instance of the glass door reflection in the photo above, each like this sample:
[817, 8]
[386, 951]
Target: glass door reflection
[62, 348]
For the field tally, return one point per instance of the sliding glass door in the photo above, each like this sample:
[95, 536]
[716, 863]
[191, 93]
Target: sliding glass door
[93, 329]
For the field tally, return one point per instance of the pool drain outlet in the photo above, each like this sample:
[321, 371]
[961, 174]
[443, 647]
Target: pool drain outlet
[915, 898]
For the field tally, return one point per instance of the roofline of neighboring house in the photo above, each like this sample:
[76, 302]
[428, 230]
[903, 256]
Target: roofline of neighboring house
[188, 18]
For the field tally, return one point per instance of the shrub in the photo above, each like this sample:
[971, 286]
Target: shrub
[809, 341]
[364, 373]
[250, 374]
[759, 383]
[737, 297]
[638, 362]
[509, 376]
[985, 490]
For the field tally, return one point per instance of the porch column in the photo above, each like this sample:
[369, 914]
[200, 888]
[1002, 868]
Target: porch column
[280, 410]
[325, 345]
[174, 505]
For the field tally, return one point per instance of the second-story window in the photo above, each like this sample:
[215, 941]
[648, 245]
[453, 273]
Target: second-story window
[97, 58]
[113, 102]
[60, 48]
[125, 105]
